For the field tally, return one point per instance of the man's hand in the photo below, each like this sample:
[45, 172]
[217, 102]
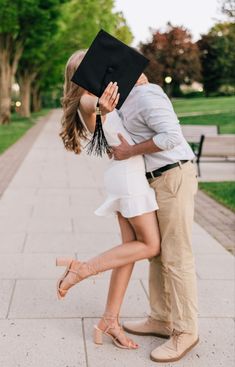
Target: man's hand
[122, 151]
[142, 80]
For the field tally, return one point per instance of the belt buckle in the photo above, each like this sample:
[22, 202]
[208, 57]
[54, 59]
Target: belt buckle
[158, 174]
[152, 175]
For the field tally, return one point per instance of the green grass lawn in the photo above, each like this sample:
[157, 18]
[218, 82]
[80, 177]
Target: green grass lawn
[223, 192]
[9, 134]
[209, 109]
[222, 104]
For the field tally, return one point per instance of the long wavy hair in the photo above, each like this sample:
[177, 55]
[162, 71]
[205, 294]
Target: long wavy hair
[73, 130]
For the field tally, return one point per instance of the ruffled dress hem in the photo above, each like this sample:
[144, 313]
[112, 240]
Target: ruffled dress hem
[128, 206]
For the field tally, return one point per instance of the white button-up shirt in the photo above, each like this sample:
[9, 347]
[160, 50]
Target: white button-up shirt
[147, 114]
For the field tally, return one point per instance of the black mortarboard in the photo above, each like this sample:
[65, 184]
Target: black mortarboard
[109, 60]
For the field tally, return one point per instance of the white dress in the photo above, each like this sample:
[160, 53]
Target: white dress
[126, 185]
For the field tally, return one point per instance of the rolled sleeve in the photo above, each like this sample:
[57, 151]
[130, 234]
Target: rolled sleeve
[157, 112]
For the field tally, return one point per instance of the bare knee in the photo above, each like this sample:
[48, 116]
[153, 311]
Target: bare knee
[153, 249]
[147, 231]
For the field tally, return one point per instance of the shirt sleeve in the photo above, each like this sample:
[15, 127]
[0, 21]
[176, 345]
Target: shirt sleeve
[157, 111]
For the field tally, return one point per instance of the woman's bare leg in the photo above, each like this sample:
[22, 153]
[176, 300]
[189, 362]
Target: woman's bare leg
[145, 246]
[118, 284]
[120, 276]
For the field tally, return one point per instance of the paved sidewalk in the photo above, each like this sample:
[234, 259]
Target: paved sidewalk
[47, 211]
[216, 220]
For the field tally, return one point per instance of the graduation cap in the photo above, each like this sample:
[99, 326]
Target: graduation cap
[108, 59]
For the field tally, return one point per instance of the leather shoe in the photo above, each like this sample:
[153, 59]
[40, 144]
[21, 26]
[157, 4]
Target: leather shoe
[149, 326]
[175, 348]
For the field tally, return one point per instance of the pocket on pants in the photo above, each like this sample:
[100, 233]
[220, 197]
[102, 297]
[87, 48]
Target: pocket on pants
[173, 180]
[191, 175]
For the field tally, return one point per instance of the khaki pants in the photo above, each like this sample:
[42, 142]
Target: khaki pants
[172, 278]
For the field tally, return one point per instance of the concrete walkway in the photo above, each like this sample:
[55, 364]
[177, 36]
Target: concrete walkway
[47, 211]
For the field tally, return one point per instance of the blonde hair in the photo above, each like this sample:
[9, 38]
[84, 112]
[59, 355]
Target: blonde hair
[73, 130]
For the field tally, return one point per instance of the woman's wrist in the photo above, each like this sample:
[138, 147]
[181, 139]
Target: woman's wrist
[98, 111]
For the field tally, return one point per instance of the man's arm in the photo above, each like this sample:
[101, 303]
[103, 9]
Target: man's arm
[125, 150]
[156, 111]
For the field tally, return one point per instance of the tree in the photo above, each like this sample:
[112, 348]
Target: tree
[228, 8]
[218, 57]
[78, 25]
[172, 54]
[37, 51]
[18, 19]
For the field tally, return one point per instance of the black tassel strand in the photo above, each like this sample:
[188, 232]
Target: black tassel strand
[98, 145]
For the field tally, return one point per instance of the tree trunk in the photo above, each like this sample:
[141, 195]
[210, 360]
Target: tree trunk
[10, 52]
[36, 99]
[25, 81]
[5, 95]
[25, 93]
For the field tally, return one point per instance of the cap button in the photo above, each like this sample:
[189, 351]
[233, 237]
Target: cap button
[110, 69]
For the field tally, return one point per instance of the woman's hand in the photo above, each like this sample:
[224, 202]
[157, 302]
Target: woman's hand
[109, 99]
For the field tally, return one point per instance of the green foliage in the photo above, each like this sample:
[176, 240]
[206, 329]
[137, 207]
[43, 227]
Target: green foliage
[37, 44]
[79, 23]
[50, 31]
[172, 53]
[223, 192]
[21, 19]
[82, 20]
[218, 57]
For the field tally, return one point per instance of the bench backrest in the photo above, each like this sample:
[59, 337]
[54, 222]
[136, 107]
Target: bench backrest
[219, 146]
[193, 133]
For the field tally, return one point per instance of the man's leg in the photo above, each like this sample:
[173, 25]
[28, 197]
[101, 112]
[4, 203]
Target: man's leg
[159, 322]
[175, 192]
[159, 295]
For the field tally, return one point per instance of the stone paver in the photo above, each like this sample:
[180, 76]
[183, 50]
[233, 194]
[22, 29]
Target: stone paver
[216, 219]
[47, 211]
[86, 300]
[37, 343]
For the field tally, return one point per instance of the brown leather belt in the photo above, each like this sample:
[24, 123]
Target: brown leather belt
[158, 172]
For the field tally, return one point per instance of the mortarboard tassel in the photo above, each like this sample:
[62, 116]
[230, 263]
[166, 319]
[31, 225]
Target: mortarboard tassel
[98, 145]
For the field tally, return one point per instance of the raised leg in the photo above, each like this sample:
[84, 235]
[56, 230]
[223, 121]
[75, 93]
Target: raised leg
[145, 246]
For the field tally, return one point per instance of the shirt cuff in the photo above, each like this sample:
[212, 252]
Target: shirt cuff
[159, 142]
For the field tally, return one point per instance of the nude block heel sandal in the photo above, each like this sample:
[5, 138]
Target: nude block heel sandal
[62, 261]
[97, 335]
[61, 293]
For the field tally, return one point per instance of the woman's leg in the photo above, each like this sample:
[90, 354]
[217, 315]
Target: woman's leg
[120, 276]
[146, 246]
[118, 284]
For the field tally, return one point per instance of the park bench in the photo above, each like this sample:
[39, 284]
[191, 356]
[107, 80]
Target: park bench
[195, 135]
[220, 146]
[206, 141]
